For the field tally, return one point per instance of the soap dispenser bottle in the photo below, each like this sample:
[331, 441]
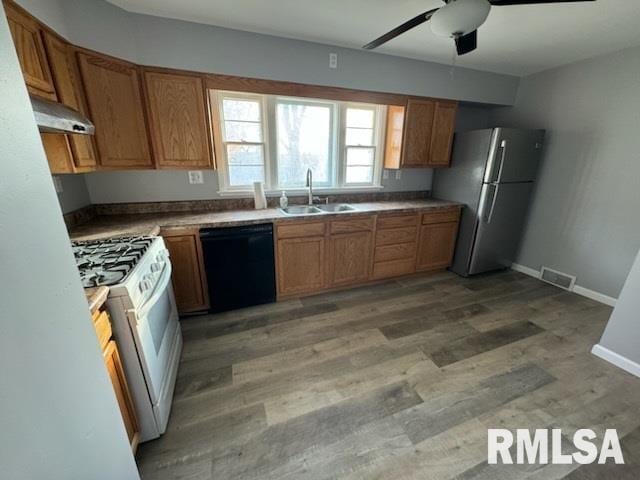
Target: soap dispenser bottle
[284, 201]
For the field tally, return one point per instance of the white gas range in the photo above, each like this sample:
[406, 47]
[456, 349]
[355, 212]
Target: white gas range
[145, 319]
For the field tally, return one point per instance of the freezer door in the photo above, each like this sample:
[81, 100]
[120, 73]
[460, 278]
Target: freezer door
[514, 155]
[503, 211]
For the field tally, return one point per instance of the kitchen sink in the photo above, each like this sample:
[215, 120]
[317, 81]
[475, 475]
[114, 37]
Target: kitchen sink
[336, 207]
[301, 210]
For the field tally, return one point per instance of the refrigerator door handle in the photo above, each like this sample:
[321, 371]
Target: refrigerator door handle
[488, 202]
[503, 148]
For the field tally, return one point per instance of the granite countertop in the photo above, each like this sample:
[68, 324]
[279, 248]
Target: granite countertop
[151, 223]
[96, 296]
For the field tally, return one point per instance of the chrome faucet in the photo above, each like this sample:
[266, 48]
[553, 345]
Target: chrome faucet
[310, 185]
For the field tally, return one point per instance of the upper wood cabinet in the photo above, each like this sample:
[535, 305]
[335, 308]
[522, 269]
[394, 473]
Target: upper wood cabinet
[58, 152]
[179, 120]
[395, 130]
[425, 130]
[68, 85]
[27, 38]
[114, 96]
[417, 135]
[188, 276]
[444, 121]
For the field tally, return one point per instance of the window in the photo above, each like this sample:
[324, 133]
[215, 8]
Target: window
[276, 139]
[243, 140]
[360, 145]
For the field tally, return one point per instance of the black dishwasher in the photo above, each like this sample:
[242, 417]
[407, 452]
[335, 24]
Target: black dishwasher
[239, 263]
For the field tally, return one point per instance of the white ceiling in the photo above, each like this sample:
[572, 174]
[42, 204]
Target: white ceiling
[517, 40]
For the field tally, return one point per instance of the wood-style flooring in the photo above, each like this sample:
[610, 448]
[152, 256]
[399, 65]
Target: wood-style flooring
[398, 380]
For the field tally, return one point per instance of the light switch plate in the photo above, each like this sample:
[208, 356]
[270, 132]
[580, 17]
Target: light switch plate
[196, 177]
[398, 174]
[385, 174]
[57, 183]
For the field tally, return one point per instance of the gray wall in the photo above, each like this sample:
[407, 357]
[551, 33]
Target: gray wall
[58, 411]
[584, 218]
[622, 335]
[74, 194]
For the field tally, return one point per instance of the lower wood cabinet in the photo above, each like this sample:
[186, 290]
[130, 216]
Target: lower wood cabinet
[300, 265]
[437, 241]
[119, 382]
[189, 277]
[349, 258]
[102, 324]
[320, 255]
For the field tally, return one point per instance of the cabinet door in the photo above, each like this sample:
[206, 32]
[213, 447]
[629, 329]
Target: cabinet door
[417, 135]
[300, 265]
[58, 152]
[350, 258]
[119, 382]
[178, 120]
[28, 42]
[395, 129]
[67, 80]
[115, 102]
[444, 122]
[436, 245]
[188, 277]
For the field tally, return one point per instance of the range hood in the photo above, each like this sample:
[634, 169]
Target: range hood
[53, 117]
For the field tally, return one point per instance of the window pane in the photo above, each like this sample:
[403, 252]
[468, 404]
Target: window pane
[242, 132]
[360, 156]
[359, 175]
[359, 136]
[304, 133]
[246, 164]
[236, 109]
[357, 117]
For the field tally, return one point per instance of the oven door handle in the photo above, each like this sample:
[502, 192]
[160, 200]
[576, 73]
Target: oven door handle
[157, 292]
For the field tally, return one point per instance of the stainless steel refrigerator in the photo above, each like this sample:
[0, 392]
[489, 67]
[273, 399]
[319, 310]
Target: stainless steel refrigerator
[493, 173]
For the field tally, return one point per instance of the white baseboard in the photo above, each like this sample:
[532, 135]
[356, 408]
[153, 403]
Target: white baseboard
[597, 296]
[616, 359]
[585, 292]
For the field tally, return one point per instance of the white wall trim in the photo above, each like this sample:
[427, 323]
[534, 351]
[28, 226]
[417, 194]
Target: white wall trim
[593, 295]
[616, 359]
[585, 292]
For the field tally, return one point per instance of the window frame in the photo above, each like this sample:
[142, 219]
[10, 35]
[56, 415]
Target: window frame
[218, 96]
[269, 125]
[379, 113]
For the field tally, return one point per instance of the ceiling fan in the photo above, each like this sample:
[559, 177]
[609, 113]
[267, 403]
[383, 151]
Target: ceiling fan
[458, 19]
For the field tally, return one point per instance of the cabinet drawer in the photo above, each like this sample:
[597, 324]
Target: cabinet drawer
[352, 225]
[442, 216]
[395, 252]
[396, 221]
[396, 235]
[394, 268]
[297, 230]
[102, 325]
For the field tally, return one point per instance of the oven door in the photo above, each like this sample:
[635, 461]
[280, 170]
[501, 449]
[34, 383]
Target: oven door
[155, 328]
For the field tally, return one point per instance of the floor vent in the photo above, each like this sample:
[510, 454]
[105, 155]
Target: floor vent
[558, 279]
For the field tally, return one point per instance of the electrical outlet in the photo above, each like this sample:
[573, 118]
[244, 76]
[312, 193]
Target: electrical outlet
[385, 174]
[398, 174]
[196, 177]
[333, 60]
[57, 183]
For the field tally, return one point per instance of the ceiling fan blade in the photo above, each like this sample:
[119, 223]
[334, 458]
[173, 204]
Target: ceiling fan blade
[501, 3]
[467, 43]
[414, 22]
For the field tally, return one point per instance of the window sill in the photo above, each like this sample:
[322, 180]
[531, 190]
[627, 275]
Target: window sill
[318, 191]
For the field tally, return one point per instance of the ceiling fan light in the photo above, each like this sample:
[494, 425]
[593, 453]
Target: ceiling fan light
[460, 17]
